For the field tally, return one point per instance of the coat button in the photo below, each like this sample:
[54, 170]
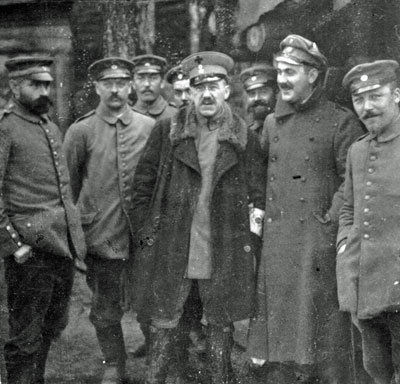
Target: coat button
[366, 236]
[273, 158]
[276, 139]
[370, 170]
[270, 198]
[307, 158]
[366, 210]
[366, 223]
[272, 178]
[301, 220]
[13, 235]
[247, 248]
[369, 183]
[303, 179]
[302, 199]
[367, 197]
[8, 227]
[28, 225]
[150, 242]
[372, 157]
[269, 220]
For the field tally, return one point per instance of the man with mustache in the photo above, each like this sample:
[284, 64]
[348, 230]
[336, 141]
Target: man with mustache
[102, 149]
[306, 140]
[368, 267]
[40, 230]
[180, 86]
[148, 83]
[193, 186]
[260, 89]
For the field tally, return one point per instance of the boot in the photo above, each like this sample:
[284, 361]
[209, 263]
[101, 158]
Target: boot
[161, 348]
[184, 372]
[112, 345]
[219, 348]
[20, 373]
[142, 350]
[40, 361]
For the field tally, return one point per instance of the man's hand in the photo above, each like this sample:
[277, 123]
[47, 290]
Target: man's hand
[22, 254]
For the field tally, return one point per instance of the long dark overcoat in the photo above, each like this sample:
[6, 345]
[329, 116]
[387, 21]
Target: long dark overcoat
[299, 318]
[169, 171]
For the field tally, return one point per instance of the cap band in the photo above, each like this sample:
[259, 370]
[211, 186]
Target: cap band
[29, 71]
[295, 56]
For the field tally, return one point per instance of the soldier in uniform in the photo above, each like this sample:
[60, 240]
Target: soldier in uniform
[202, 161]
[306, 141]
[40, 229]
[102, 149]
[260, 89]
[368, 242]
[148, 81]
[180, 86]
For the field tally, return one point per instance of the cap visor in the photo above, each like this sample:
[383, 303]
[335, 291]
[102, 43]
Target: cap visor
[287, 60]
[42, 76]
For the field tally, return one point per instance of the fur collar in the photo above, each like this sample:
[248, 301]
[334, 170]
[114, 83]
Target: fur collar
[232, 128]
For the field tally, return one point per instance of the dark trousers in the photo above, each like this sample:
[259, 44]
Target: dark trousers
[381, 347]
[38, 294]
[104, 279]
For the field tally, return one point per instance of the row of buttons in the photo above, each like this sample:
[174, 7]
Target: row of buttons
[13, 234]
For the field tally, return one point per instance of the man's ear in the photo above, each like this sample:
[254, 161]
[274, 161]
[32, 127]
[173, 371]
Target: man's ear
[96, 87]
[396, 94]
[227, 91]
[15, 87]
[162, 84]
[313, 75]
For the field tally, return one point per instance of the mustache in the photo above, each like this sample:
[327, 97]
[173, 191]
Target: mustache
[368, 115]
[207, 101]
[285, 86]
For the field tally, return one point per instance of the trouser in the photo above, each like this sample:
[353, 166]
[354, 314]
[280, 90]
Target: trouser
[104, 279]
[38, 293]
[381, 347]
[165, 339]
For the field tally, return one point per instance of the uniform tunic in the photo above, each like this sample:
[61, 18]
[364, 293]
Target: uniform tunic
[102, 153]
[298, 317]
[35, 204]
[368, 270]
[35, 209]
[159, 110]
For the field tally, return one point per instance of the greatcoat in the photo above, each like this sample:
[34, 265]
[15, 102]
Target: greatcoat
[298, 316]
[169, 174]
[368, 270]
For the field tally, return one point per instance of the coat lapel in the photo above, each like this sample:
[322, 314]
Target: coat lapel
[185, 151]
[226, 159]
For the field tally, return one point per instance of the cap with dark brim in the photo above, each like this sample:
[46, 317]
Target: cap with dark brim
[111, 68]
[207, 66]
[369, 76]
[33, 67]
[175, 74]
[149, 64]
[258, 76]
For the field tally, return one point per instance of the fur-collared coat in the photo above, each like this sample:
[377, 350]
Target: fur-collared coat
[166, 186]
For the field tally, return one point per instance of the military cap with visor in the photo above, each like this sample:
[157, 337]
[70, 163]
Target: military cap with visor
[111, 68]
[149, 64]
[297, 50]
[258, 76]
[207, 66]
[32, 67]
[369, 76]
[175, 73]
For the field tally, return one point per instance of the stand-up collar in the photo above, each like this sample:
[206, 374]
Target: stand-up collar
[21, 111]
[105, 114]
[283, 108]
[154, 109]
